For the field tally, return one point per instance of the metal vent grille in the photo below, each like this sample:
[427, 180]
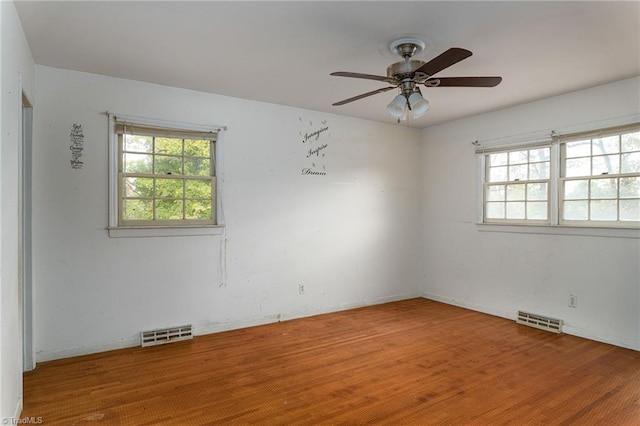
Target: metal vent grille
[165, 335]
[538, 321]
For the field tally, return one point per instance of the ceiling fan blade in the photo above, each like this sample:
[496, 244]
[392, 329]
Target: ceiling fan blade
[364, 95]
[366, 76]
[463, 82]
[444, 60]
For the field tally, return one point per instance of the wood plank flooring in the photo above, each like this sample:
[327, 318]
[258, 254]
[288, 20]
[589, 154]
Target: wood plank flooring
[413, 362]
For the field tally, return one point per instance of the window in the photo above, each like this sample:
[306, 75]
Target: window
[517, 185]
[162, 175]
[600, 179]
[588, 179]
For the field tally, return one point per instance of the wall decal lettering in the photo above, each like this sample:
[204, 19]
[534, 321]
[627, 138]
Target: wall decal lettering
[316, 144]
[77, 145]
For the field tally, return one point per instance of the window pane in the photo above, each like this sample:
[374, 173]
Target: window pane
[576, 210]
[198, 188]
[578, 148]
[168, 209]
[630, 210]
[138, 187]
[606, 164]
[515, 210]
[518, 157]
[138, 143]
[576, 189]
[631, 142]
[137, 209]
[578, 167]
[631, 163]
[630, 187]
[516, 192]
[609, 145]
[495, 210]
[537, 191]
[497, 174]
[168, 165]
[539, 171]
[197, 166]
[168, 146]
[198, 209]
[541, 154]
[604, 210]
[537, 210]
[518, 172]
[137, 163]
[495, 193]
[604, 188]
[169, 188]
[197, 148]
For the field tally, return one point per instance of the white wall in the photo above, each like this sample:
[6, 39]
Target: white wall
[349, 236]
[501, 273]
[17, 75]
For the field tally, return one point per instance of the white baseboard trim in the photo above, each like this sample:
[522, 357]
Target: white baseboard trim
[512, 315]
[217, 327]
[566, 328]
[611, 340]
[42, 356]
[18, 410]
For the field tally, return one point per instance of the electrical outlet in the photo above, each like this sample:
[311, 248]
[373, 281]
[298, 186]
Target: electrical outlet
[573, 301]
[301, 289]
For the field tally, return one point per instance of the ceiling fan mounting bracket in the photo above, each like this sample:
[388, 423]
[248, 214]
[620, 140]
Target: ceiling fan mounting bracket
[406, 47]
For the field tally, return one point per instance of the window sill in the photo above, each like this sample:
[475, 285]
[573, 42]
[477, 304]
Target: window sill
[582, 231]
[164, 231]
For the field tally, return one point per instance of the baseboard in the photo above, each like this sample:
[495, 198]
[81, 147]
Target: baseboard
[472, 306]
[18, 410]
[43, 356]
[566, 328]
[217, 327]
[611, 340]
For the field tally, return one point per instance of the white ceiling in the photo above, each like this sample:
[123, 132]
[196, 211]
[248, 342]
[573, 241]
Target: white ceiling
[283, 52]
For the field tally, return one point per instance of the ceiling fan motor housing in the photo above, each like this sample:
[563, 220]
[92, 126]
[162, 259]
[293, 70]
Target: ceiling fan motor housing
[404, 75]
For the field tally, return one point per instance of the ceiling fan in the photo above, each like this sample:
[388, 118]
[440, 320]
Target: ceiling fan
[407, 74]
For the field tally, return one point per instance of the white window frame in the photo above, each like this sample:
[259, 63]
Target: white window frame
[555, 225]
[590, 136]
[487, 183]
[178, 228]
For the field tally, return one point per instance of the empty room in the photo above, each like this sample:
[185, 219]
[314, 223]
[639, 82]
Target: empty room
[320, 212]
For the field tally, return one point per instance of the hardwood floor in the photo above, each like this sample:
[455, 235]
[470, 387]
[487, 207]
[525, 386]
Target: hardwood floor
[414, 362]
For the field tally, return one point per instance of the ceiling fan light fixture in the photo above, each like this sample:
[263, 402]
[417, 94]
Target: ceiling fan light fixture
[419, 105]
[397, 106]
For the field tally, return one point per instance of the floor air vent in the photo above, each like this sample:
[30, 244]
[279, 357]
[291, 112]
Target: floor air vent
[165, 335]
[538, 321]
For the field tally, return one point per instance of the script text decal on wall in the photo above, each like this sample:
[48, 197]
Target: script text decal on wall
[77, 145]
[315, 140]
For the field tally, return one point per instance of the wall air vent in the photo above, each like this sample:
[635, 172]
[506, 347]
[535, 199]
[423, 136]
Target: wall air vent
[538, 321]
[165, 335]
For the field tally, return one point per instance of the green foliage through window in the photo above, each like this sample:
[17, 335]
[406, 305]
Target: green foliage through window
[166, 179]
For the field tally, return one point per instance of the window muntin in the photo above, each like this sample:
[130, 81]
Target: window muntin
[166, 177]
[517, 186]
[600, 180]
